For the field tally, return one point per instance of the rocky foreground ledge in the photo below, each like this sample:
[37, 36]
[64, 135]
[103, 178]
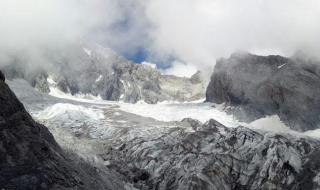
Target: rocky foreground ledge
[257, 86]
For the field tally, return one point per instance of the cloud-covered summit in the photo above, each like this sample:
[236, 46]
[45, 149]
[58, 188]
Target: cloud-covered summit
[194, 32]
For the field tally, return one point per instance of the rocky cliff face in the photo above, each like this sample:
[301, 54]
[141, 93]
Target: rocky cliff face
[30, 158]
[91, 69]
[264, 85]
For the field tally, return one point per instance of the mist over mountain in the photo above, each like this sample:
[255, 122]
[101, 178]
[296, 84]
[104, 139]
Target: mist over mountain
[194, 33]
[89, 69]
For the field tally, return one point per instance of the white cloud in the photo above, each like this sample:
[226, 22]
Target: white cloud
[203, 30]
[32, 23]
[195, 32]
[29, 28]
[180, 69]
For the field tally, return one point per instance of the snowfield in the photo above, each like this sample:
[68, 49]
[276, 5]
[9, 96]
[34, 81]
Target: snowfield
[163, 111]
[70, 111]
[107, 117]
[177, 111]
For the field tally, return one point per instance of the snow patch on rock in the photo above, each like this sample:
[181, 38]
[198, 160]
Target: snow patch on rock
[152, 65]
[270, 123]
[99, 78]
[87, 51]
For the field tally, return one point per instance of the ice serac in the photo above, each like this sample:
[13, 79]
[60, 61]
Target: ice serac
[88, 68]
[30, 158]
[219, 158]
[257, 86]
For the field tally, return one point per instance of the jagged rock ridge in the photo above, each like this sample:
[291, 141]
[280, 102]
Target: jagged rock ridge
[88, 68]
[264, 85]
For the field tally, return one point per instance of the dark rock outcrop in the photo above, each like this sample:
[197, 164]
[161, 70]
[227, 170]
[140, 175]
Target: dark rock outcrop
[30, 158]
[257, 86]
[2, 77]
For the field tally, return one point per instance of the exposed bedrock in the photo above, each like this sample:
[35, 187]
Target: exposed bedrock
[257, 86]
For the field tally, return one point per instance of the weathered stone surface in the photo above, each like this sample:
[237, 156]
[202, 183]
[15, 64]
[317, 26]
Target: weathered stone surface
[264, 85]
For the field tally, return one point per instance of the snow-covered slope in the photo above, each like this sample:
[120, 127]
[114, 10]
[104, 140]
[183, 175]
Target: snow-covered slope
[174, 111]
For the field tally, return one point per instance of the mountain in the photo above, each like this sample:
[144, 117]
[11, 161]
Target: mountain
[99, 145]
[88, 68]
[256, 86]
[152, 154]
[30, 158]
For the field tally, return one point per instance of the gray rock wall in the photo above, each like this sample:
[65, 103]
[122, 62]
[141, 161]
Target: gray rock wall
[264, 85]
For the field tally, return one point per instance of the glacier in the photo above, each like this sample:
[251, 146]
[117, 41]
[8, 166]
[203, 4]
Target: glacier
[159, 144]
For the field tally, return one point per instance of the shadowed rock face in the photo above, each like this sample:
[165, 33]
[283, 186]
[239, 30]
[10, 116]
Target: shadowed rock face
[263, 85]
[2, 78]
[215, 157]
[30, 158]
